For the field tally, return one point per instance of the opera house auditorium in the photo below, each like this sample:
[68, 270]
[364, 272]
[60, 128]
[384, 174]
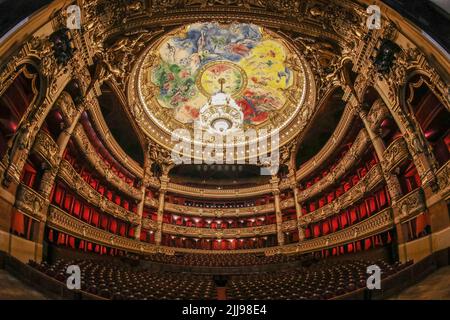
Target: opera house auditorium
[224, 149]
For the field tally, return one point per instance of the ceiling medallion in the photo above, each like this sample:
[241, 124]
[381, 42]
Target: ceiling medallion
[223, 77]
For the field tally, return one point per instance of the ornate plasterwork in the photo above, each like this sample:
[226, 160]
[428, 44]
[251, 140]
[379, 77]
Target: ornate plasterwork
[375, 224]
[410, 205]
[100, 166]
[31, 202]
[357, 148]
[62, 221]
[74, 181]
[377, 114]
[443, 176]
[59, 220]
[357, 192]
[395, 154]
[219, 233]
[46, 148]
[224, 212]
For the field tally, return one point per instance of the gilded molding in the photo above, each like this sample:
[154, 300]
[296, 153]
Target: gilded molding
[219, 233]
[357, 192]
[82, 188]
[358, 147]
[443, 176]
[410, 205]
[394, 154]
[64, 222]
[380, 222]
[46, 148]
[30, 202]
[100, 166]
[224, 212]
[377, 114]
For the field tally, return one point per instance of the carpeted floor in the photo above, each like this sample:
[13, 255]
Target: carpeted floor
[13, 289]
[434, 287]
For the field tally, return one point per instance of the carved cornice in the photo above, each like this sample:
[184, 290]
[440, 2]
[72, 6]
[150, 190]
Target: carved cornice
[30, 202]
[219, 233]
[152, 203]
[219, 194]
[395, 154]
[289, 225]
[100, 166]
[225, 212]
[443, 176]
[83, 189]
[357, 192]
[411, 205]
[358, 147]
[64, 222]
[60, 220]
[375, 224]
[46, 148]
[149, 224]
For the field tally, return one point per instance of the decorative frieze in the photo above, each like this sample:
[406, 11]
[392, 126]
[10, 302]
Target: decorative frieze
[219, 233]
[73, 179]
[411, 205]
[219, 194]
[375, 224]
[100, 166]
[64, 222]
[289, 225]
[395, 154]
[46, 148]
[224, 212]
[357, 192]
[443, 176]
[377, 113]
[59, 220]
[30, 202]
[358, 147]
[149, 224]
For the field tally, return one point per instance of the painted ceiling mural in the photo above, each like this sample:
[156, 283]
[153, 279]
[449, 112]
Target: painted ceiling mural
[242, 60]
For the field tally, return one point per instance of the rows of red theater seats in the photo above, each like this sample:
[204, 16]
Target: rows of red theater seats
[222, 260]
[125, 283]
[321, 281]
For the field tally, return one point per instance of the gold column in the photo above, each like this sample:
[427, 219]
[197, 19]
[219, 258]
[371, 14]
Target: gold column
[298, 211]
[162, 194]
[140, 210]
[276, 193]
[392, 182]
[49, 175]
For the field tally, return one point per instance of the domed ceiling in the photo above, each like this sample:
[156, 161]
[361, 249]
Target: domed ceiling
[221, 78]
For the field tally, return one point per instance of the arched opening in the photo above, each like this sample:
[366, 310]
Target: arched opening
[15, 101]
[431, 115]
